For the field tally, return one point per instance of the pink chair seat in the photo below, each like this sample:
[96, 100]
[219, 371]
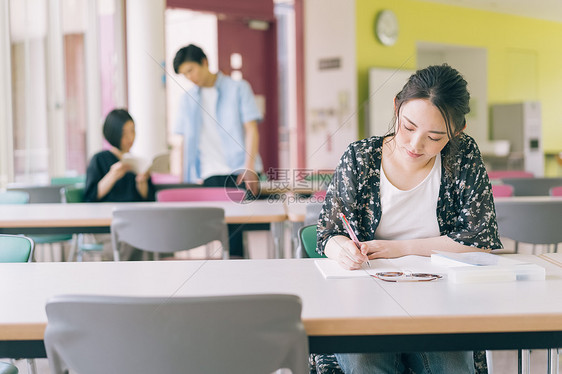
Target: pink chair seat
[556, 191]
[159, 178]
[201, 194]
[320, 195]
[502, 190]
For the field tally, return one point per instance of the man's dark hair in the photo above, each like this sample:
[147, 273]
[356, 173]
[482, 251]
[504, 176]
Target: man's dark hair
[191, 53]
[113, 126]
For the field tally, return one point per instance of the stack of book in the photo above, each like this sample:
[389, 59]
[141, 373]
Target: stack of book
[473, 267]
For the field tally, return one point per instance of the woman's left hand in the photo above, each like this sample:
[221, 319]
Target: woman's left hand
[142, 177]
[384, 249]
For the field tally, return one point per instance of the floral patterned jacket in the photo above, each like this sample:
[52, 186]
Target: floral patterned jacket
[465, 208]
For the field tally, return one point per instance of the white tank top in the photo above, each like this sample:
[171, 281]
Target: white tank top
[213, 161]
[410, 214]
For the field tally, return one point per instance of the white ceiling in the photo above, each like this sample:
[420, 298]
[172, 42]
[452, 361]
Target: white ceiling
[542, 9]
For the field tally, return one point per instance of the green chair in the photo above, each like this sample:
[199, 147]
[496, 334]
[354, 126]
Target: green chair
[6, 368]
[307, 242]
[16, 248]
[75, 194]
[318, 363]
[68, 180]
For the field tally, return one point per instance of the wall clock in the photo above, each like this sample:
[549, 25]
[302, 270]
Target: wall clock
[386, 27]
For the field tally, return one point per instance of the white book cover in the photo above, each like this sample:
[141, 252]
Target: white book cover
[471, 259]
[160, 163]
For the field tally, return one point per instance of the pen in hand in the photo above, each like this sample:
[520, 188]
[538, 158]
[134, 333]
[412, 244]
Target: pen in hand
[349, 230]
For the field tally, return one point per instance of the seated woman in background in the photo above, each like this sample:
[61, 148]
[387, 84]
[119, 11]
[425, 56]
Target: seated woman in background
[108, 179]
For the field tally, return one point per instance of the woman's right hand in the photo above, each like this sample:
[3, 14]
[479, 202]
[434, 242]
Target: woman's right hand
[345, 252]
[118, 170]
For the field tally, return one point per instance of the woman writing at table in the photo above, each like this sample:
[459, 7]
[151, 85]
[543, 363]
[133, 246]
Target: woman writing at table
[422, 187]
[108, 179]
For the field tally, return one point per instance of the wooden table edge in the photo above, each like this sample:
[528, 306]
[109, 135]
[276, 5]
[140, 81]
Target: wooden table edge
[433, 325]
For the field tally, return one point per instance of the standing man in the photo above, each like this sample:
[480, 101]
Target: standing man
[218, 119]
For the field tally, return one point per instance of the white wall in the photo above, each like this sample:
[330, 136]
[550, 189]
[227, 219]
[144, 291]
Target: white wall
[330, 95]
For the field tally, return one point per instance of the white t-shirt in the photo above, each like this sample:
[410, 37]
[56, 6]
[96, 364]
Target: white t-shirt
[213, 161]
[410, 214]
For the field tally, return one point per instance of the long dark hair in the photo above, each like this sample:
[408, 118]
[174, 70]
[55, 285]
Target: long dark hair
[445, 88]
[113, 126]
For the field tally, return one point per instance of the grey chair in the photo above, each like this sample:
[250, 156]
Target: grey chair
[218, 334]
[533, 222]
[532, 186]
[312, 212]
[168, 229]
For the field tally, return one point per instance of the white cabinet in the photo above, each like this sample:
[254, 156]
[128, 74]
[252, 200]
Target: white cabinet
[521, 125]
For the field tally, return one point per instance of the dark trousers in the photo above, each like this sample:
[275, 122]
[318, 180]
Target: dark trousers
[235, 231]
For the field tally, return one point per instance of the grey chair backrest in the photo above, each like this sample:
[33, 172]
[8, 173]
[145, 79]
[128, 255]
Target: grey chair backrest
[534, 222]
[168, 229]
[241, 334]
[312, 213]
[41, 194]
[532, 186]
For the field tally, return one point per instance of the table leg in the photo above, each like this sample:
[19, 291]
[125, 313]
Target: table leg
[524, 358]
[278, 233]
[553, 361]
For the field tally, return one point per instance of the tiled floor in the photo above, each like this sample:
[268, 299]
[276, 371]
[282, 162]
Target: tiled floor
[503, 362]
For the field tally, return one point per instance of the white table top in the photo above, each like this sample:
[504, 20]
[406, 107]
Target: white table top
[358, 306]
[100, 214]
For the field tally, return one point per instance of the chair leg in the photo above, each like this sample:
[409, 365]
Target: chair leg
[52, 252]
[80, 252]
[490, 362]
[73, 248]
[31, 367]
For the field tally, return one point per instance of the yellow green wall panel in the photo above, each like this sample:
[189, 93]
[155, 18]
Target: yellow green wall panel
[524, 54]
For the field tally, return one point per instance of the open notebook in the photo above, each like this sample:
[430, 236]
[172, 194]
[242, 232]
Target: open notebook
[330, 269]
[472, 267]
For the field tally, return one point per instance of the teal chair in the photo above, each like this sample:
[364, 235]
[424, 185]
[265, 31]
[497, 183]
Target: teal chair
[307, 242]
[68, 180]
[6, 368]
[16, 248]
[75, 194]
[22, 197]
[14, 197]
